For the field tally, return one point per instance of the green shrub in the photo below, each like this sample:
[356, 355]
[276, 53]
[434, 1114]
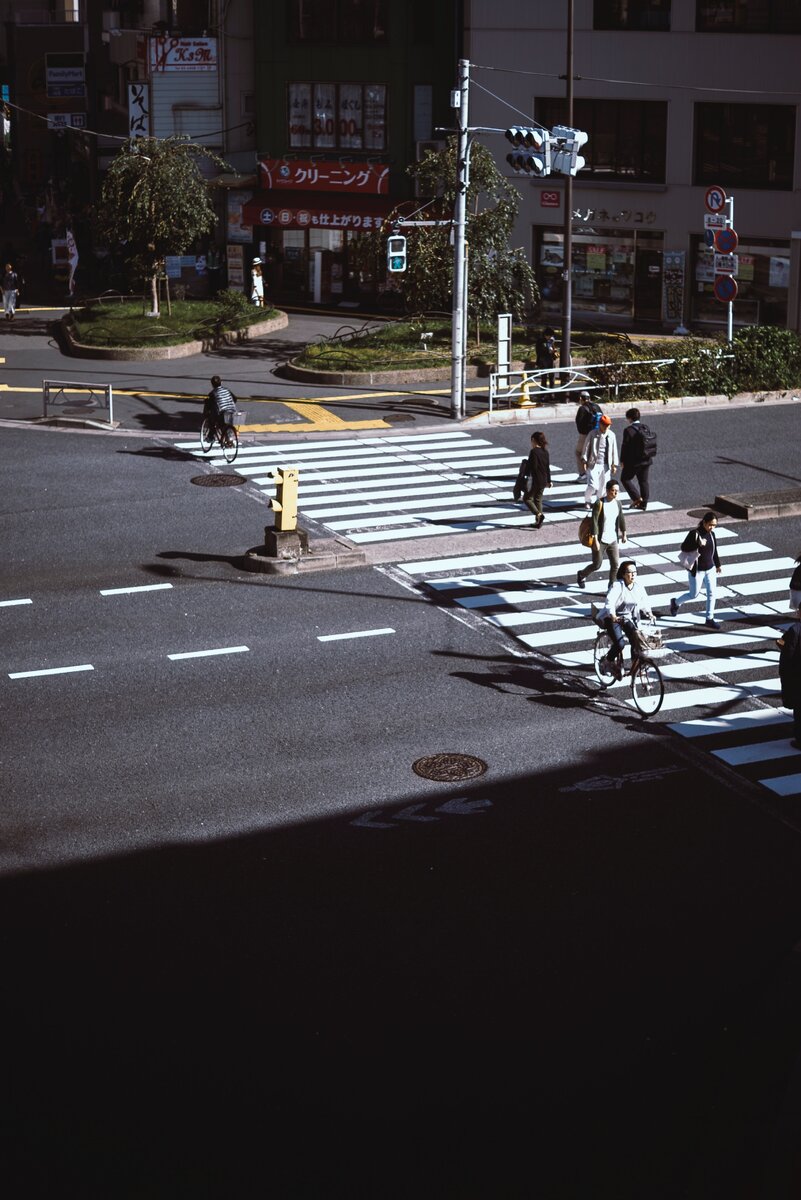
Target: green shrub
[232, 308]
[700, 368]
[766, 358]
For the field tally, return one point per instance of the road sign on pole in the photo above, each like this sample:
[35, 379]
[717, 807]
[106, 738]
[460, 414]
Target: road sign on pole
[726, 241]
[725, 289]
[715, 199]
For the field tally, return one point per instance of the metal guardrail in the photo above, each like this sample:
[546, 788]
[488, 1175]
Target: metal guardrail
[545, 385]
[65, 398]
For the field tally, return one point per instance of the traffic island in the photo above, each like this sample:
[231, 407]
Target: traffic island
[289, 552]
[754, 506]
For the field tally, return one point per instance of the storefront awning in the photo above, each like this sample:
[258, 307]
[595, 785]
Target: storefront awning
[317, 210]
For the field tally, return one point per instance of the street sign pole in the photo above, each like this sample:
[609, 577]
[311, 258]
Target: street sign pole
[730, 315]
[459, 314]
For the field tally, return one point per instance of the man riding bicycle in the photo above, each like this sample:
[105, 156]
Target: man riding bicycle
[626, 602]
[220, 408]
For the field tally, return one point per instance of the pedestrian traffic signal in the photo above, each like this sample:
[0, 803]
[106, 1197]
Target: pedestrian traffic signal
[396, 253]
[566, 143]
[285, 503]
[533, 148]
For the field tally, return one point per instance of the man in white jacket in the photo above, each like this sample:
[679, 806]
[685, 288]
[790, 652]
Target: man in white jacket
[600, 460]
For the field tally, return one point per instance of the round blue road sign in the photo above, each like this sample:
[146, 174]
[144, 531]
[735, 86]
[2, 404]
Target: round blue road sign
[726, 241]
[725, 288]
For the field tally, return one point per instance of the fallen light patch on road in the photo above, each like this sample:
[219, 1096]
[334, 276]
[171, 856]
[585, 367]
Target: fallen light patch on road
[49, 671]
[339, 637]
[209, 653]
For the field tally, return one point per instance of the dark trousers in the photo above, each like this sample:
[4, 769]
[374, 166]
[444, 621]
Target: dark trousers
[635, 481]
[533, 502]
[797, 720]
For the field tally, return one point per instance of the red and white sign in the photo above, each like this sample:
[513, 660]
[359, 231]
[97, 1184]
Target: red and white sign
[370, 179]
[550, 199]
[725, 289]
[726, 240]
[715, 199]
[714, 221]
[725, 264]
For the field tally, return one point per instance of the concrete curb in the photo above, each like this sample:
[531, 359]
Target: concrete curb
[232, 337]
[371, 378]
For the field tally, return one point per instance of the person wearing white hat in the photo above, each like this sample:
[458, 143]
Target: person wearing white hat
[256, 284]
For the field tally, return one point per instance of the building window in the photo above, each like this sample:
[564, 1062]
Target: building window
[626, 137]
[748, 16]
[347, 22]
[631, 14]
[763, 280]
[745, 145]
[344, 116]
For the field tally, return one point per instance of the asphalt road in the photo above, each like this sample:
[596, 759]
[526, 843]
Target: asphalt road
[240, 933]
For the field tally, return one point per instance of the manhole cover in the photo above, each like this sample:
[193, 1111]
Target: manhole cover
[218, 480]
[396, 418]
[449, 768]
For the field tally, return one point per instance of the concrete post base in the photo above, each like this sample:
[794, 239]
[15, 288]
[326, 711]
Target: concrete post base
[285, 543]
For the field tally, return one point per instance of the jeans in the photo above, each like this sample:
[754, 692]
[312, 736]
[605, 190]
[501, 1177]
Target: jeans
[619, 631]
[709, 580]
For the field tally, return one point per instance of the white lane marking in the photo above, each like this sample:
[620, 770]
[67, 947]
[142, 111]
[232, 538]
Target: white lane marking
[759, 752]
[49, 671]
[337, 637]
[8, 603]
[755, 717]
[785, 785]
[208, 653]
[145, 587]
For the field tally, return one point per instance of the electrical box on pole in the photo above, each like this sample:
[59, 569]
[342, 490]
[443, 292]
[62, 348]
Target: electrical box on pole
[532, 150]
[396, 253]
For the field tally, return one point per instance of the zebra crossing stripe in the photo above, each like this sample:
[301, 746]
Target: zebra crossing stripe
[783, 785]
[758, 752]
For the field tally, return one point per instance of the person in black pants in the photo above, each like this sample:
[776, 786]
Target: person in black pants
[537, 471]
[790, 674]
[634, 466]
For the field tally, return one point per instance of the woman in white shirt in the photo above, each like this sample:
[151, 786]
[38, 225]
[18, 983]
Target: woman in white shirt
[626, 603]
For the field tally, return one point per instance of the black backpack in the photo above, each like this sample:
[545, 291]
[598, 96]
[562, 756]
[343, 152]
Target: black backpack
[647, 442]
[588, 417]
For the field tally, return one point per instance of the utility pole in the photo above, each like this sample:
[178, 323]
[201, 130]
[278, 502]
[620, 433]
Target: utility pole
[567, 240]
[459, 99]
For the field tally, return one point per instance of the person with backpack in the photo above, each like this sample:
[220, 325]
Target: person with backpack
[588, 415]
[637, 452]
[10, 291]
[608, 529]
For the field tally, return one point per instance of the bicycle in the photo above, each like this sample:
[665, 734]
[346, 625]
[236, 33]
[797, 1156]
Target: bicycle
[645, 678]
[226, 436]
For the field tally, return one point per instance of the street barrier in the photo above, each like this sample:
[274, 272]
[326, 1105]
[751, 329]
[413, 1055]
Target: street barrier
[76, 400]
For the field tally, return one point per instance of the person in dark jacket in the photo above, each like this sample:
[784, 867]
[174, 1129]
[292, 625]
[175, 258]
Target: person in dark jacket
[537, 473]
[587, 415]
[634, 465]
[705, 569]
[546, 356]
[795, 586]
[790, 674]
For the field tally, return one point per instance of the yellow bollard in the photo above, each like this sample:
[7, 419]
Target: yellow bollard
[285, 504]
[525, 396]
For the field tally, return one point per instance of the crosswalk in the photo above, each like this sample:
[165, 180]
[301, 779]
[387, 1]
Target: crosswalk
[722, 686]
[381, 489]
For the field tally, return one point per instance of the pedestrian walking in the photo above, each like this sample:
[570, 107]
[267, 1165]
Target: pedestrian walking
[546, 355]
[10, 287]
[608, 530]
[256, 284]
[795, 586]
[587, 416]
[599, 460]
[637, 450]
[534, 477]
[790, 674]
[703, 567]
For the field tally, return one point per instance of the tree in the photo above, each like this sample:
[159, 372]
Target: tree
[500, 279]
[155, 202]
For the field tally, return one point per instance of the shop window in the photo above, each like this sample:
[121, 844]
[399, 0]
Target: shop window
[346, 22]
[616, 272]
[748, 16]
[345, 116]
[763, 278]
[626, 137]
[631, 14]
[745, 145]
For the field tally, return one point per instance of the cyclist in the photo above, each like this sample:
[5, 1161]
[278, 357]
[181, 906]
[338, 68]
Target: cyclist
[220, 408]
[626, 602]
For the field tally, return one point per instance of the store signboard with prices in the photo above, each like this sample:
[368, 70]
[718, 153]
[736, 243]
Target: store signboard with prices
[725, 264]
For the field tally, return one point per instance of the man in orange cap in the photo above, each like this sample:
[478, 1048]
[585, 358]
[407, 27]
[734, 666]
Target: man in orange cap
[599, 460]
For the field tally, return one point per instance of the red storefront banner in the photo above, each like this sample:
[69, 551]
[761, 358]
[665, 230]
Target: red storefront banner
[367, 179]
[290, 210]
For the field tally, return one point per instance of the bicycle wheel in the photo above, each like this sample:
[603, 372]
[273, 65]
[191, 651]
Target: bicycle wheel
[206, 436]
[602, 646]
[647, 687]
[230, 443]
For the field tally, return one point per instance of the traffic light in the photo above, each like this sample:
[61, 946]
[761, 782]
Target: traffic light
[285, 504]
[396, 253]
[567, 142]
[533, 147]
